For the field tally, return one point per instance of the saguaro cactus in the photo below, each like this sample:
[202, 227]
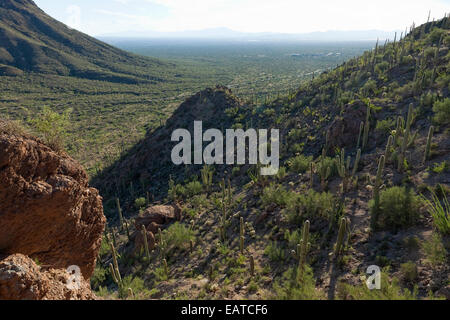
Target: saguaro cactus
[387, 151]
[303, 248]
[356, 165]
[343, 167]
[114, 267]
[144, 236]
[428, 146]
[241, 235]
[366, 129]
[339, 246]
[119, 211]
[361, 129]
[252, 266]
[376, 192]
[405, 140]
[166, 267]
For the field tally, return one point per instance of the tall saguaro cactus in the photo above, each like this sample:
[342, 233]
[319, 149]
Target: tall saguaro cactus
[303, 248]
[407, 132]
[339, 246]
[144, 236]
[366, 129]
[114, 268]
[376, 192]
[241, 235]
[428, 146]
[119, 211]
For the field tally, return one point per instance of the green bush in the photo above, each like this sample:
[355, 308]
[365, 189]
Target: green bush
[385, 126]
[442, 111]
[140, 203]
[275, 194]
[311, 205]
[300, 163]
[409, 271]
[289, 288]
[275, 252]
[435, 251]
[440, 211]
[98, 277]
[389, 290]
[193, 188]
[399, 207]
[52, 126]
[178, 236]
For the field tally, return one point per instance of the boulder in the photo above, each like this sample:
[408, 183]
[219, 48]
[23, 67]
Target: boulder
[47, 210]
[139, 241]
[158, 215]
[344, 130]
[22, 279]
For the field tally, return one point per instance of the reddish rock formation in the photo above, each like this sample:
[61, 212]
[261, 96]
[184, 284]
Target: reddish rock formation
[22, 279]
[47, 209]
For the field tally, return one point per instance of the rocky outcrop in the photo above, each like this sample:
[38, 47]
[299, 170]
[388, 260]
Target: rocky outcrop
[139, 241]
[344, 130]
[155, 216]
[22, 279]
[47, 210]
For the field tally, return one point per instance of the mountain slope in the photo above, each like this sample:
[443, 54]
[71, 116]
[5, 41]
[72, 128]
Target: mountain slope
[400, 89]
[32, 41]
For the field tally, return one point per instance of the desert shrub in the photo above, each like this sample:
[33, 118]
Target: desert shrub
[440, 211]
[311, 205]
[385, 126]
[435, 35]
[98, 277]
[289, 288]
[178, 236]
[381, 67]
[399, 207]
[442, 111]
[275, 194]
[193, 188]
[299, 164]
[370, 87]
[405, 60]
[390, 290]
[275, 252]
[137, 286]
[52, 126]
[140, 203]
[409, 271]
[12, 127]
[430, 52]
[175, 190]
[442, 167]
[435, 251]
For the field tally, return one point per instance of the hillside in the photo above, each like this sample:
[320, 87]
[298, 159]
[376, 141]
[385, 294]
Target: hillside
[112, 96]
[32, 41]
[358, 161]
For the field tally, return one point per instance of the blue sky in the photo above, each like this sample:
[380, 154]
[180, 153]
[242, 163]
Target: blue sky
[97, 17]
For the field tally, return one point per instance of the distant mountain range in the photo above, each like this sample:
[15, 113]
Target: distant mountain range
[228, 34]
